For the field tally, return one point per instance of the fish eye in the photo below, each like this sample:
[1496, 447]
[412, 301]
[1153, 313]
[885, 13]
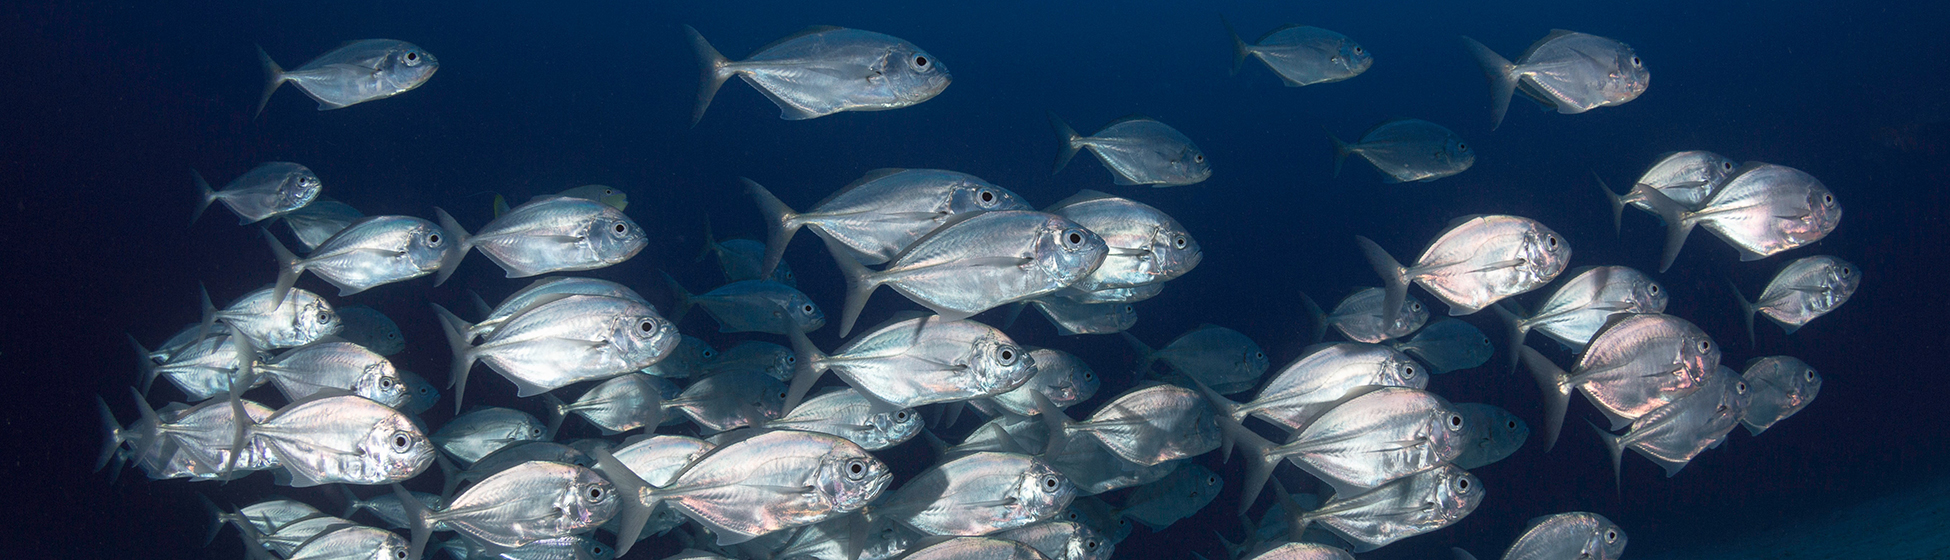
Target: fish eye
[1178, 242]
[401, 443]
[1007, 357]
[1511, 424]
[1828, 200]
[1462, 147]
[791, 359]
[1415, 306]
[1073, 516]
[1089, 376]
[1653, 288]
[535, 432]
[385, 383]
[782, 395]
[1129, 309]
[412, 56]
[426, 390]
[1259, 355]
[1845, 272]
[1359, 50]
[1050, 483]
[806, 308]
[620, 229]
[1551, 240]
[1705, 346]
[1636, 62]
[1455, 422]
[1462, 485]
[920, 61]
[324, 316]
[1611, 536]
[1408, 371]
[596, 549]
[856, 469]
[433, 239]
[900, 416]
[595, 493]
[646, 326]
[1200, 158]
[1075, 238]
[1727, 165]
[1740, 388]
[400, 554]
[1090, 544]
[986, 195]
[1809, 375]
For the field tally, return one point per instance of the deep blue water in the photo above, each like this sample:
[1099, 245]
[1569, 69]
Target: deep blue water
[109, 104]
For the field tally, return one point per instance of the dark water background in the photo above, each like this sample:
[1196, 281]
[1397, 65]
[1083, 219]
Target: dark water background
[107, 105]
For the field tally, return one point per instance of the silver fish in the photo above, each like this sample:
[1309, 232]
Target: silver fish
[980, 263]
[369, 328]
[1675, 433]
[515, 455]
[267, 191]
[731, 400]
[265, 517]
[335, 365]
[752, 306]
[755, 356]
[1113, 295]
[1217, 356]
[923, 360]
[548, 290]
[1062, 540]
[558, 548]
[1782, 386]
[623, 403]
[551, 346]
[551, 234]
[846, 414]
[1302, 551]
[1635, 365]
[299, 319]
[1449, 345]
[530, 502]
[1072, 318]
[373, 251]
[1584, 304]
[195, 442]
[1565, 535]
[1476, 262]
[1805, 289]
[823, 70]
[1568, 71]
[204, 369]
[685, 361]
[318, 221]
[388, 508]
[657, 458]
[973, 548]
[1179, 495]
[1147, 426]
[1137, 150]
[1359, 318]
[1763, 209]
[1094, 469]
[350, 542]
[764, 483]
[1369, 439]
[1409, 506]
[743, 259]
[978, 494]
[354, 73]
[1490, 434]
[1302, 55]
[472, 436]
[1060, 377]
[878, 215]
[1098, 516]
[1146, 246]
[1689, 178]
[1408, 150]
[421, 395]
[342, 438]
[1322, 377]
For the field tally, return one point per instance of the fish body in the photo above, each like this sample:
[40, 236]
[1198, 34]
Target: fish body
[685, 361]
[1781, 387]
[768, 482]
[755, 306]
[1408, 150]
[1635, 365]
[1569, 535]
[980, 263]
[421, 395]
[552, 234]
[1449, 345]
[1805, 289]
[371, 251]
[529, 502]
[1490, 434]
[744, 259]
[1586, 302]
[369, 328]
[1689, 178]
[1359, 317]
[1062, 540]
[1409, 506]
[658, 458]
[343, 438]
[472, 436]
[354, 73]
[1328, 373]
[1112, 295]
[1147, 426]
[1138, 150]
[978, 494]
[1061, 377]
[823, 70]
[623, 403]
[320, 220]
[731, 400]
[1675, 433]
[1303, 551]
[1376, 437]
[344, 366]
[269, 323]
[1145, 245]
[1094, 469]
[1763, 209]
[922, 360]
[1476, 262]
[571, 339]
[548, 290]
[1568, 71]
[1303, 55]
[1072, 318]
[1178, 495]
[880, 214]
[267, 191]
[759, 356]
[973, 548]
[203, 370]
[846, 414]
[1223, 358]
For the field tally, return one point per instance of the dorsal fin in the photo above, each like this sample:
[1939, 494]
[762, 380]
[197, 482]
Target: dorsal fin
[1262, 38]
[1082, 196]
[868, 177]
[809, 30]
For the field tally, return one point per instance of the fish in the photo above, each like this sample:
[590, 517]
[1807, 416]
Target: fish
[1223, 358]
[340, 541]
[846, 414]
[1061, 377]
[1099, 516]
[333, 437]
[354, 73]
[770, 481]
[1093, 468]
[910, 362]
[1781, 386]
[568, 340]
[1409, 506]
[731, 400]
[472, 436]
[514, 455]
[300, 318]
[373, 251]
[685, 361]
[977, 264]
[1147, 426]
[1062, 540]
[1636, 364]
[1302, 551]
[1490, 434]
[752, 306]
[547, 290]
[421, 395]
[318, 221]
[1408, 150]
[1688, 178]
[1583, 304]
[759, 356]
[1138, 150]
[1302, 55]
[202, 370]
[1370, 438]
[1477, 261]
[1359, 318]
[608, 195]
[369, 328]
[978, 494]
[972, 548]
[388, 508]
[1674, 434]
[1072, 318]
[1146, 246]
[1322, 377]
[529, 502]
[657, 458]
[558, 548]
[1113, 295]
[1806, 288]
[1449, 345]
[743, 259]
[264, 517]
[335, 365]
[197, 442]
[623, 403]
[822, 70]
[1179, 495]
[1565, 535]
[1568, 71]
[1763, 209]
[883, 539]
[550, 234]
[270, 190]
[880, 214]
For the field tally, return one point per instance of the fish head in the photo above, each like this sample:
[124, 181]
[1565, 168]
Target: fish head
[587, 501]
[1187, 167]
[801, 311]
[1400, 370]
[643, 337]
[1084, 543]
[1354, 58]
[1841, 279]
[522, 427]
[1067, 252]
[1457, 493]
[1803, 384]
[406, 67]
[1545, 254]
[999, 365]
[1409, 318]
[1252, 361]
[975, 195]
[1040, 491]
[1457, 153]
[1174, 251]
[1647, 295]
[1628, 77]
[613, 237]
[395, 449]
[382, 384]
[768, 401]
[1447, 431]
[890, 428]
[421, 394]
[299, 188]
[1506, 431]
[1610, 539]
[912, 75]
[427, 245]
[313, 318]
[849, 477]
[1824, 212]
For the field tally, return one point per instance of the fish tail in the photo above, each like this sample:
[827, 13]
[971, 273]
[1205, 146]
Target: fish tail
[1615, 446]
[209, 313]
[450, 474]
[1056, 421]
[1518, 330]
[713, 70]
[273, 77]
[1259, 465]
[780, 224]
[111, 434]
[480, 305]
[1232, 548]
[463, 347]
[289, 268]
[1226, 408]
[1555, 386]
[1014, 312]
[217, 519]
[1617, 204]
[145, 367]
[1678, 221]
[1068, 142]
[240, 420]
[1297, 519]
[151, 423]
[1341, 151]
[1146, 355]
[204, 196]
[806, 370]
[1240, 50]
[860, 284]
[710, 242]
[1394, 276]
[1502, 76]
[557, 412]
[450, 261]
[1460, 554]
[684, 299]
[638, 498]
[1318, 316]
[1747, 310]
[352, 502]
[416, 521]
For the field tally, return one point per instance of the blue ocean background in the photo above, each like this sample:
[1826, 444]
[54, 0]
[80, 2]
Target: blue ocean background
[109, 104]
